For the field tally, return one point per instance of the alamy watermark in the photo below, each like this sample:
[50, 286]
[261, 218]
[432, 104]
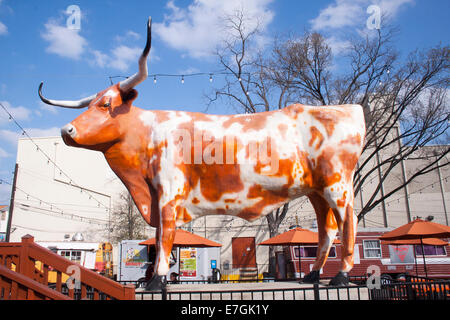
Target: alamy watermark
[374, 280]
[74, 280]
[73, 22]
[374, 20]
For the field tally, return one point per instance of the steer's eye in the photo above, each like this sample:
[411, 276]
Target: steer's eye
[107, 104]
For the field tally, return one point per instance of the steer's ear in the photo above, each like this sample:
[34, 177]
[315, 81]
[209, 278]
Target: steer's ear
[128, 97]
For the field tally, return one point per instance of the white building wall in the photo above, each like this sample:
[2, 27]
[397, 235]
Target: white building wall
[56, 201]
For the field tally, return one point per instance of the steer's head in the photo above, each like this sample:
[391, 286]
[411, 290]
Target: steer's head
[107, 116]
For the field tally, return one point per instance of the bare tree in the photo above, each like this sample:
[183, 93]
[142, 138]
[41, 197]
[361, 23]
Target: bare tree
[248, 87]
[126, 221]
[406, 102]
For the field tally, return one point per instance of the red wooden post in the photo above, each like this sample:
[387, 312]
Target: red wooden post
[24, 266]
[129, 293]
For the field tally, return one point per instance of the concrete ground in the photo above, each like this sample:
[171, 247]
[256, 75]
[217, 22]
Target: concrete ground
[256, 291]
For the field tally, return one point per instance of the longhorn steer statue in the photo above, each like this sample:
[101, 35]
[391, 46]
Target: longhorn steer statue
[179, 166]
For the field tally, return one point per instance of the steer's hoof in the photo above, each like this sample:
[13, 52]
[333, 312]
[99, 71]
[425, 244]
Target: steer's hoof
[340, 280]
[156, 283]
[312, 277]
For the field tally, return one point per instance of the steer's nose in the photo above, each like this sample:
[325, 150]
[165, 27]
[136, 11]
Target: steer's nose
[68, 130]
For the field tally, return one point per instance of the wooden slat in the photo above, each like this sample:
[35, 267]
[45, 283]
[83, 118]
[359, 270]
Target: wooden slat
[83, 291]
[71, 293]
[58, 281]
[14, 290]
[45, 275]
[23, 256]
[96, 295]
[21, 286]
[30, 294]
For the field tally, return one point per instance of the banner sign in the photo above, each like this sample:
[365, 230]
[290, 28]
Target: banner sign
[135, 257]
[401, 253]
[188, 262]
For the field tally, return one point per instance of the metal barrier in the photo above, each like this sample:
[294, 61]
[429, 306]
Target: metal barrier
[414, 289]
[315, 292]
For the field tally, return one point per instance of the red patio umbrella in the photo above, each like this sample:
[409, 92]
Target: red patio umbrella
[418, 229]
[184, 238]
[297, 236]
[426, 241]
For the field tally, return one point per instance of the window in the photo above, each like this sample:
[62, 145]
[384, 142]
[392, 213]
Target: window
[372, 248]
[431, 250]
[72, 255]
[311, 252]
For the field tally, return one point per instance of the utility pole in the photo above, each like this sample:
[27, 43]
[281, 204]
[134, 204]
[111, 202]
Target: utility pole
[380, 177]
[405, 186]
[442, 193]
[11, 204]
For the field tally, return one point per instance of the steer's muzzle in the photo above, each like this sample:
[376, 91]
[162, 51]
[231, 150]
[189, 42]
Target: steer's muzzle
[68, 133]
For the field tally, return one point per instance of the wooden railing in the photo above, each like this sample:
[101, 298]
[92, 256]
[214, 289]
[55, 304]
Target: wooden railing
[27, 265]
[16, 286]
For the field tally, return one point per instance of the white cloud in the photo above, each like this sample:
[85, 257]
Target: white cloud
[120, 58]
[340, 14]
[11, 137]
[189, 70]
[352, 13]
[19, 113]
[3, 29]
[338, 46]
[100, 59]
[198, 29]
[63, 41]
[4, 154]
[47, 107]
[129, 35]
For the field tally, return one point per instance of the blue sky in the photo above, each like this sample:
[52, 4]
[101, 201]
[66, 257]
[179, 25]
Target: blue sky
[36, 45]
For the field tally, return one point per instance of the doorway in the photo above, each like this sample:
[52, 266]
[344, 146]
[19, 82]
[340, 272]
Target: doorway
[243, 252]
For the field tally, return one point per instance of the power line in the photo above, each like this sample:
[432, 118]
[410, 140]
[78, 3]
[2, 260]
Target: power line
[63, 215]
[59, 213]
[49, 160]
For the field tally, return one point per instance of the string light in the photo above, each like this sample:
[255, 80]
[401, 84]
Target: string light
[184, 76]
[61, 172]
[52, 207]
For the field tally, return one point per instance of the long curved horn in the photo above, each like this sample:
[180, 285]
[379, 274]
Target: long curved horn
[141, 75]
[66, 103]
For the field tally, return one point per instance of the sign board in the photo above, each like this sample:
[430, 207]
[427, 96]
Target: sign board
[89, 259]
[401, 253]
[133, 260]
[188, 262]
[213, 264]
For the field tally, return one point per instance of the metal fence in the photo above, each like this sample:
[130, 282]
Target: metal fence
[411, 288]
[315, 292]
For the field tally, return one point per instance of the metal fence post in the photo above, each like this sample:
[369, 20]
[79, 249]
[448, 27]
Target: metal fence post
[164, 293]
[316, 291]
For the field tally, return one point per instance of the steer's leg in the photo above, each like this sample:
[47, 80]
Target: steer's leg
[327, 228]
[347, 222]
[165, 235]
